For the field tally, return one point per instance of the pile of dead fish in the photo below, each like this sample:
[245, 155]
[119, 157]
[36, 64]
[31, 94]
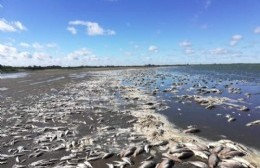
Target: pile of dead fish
[90, 124]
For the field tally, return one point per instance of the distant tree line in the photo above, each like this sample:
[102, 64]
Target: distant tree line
[4, 68]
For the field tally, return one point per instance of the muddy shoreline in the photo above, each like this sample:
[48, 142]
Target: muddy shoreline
[79, 117]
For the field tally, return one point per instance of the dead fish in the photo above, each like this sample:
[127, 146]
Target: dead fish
[217, 149]
[171, 157]
[81, 165]
[198, 147]
[132, 121]
[231, 119]
[244, 162]
[128, 152]
[110, 165]
[120, 164]
[107, 155]
[191, 130]
[201, 154]
[17, 159]
[211, 106]
[70, 163]
[93, 158]
[160, 143]
[4, 162]
[198, 164]
[244, 108]
[213, 160]
[61, 147]
[147, 148]
[179, 150]
[68, 157]
[127, 160]
[88, 164]
[149, 158]
[139, 150]
[6, 156]
[230, 164]
[183, 155]
[148, 164]
[40, 163]
[166, 163]
[257, 122]
[37, 154]
[19, 166]
[231, 154]
[224, 151]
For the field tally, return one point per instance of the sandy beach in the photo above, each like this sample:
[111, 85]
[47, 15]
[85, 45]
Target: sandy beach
[94, 118]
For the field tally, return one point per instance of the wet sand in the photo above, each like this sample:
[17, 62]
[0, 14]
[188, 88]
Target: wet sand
[65, 118]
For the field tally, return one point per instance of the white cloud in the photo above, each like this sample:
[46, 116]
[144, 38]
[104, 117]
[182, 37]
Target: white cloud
[187, 47]
[185, 44]
[257, 30]
[41, 56]
[78, 54]
[1, 6]
[7, 51]
[92, 28]
[19, 26]
[51, 45]
[218, 51]
[38, 46]
[10, 55]
[235, 39]
[12, 26]
[25, 45]
[72, 30]
[153, 49]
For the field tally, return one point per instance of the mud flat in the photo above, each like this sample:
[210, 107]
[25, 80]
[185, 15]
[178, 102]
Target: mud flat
[98, 120]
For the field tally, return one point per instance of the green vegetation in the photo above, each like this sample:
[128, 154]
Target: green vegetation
[18, 69]
[7, 69]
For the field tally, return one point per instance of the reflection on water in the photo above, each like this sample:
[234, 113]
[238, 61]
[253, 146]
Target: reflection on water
[13, 75]
[3, 88]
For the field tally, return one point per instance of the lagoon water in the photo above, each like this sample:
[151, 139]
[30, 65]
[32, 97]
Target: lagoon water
[245, 79]
[12, 75]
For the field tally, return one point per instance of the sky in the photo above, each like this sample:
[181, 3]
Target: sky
[128, 32]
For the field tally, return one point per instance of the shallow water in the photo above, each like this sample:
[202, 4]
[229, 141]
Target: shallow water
[213, 122]
[13, 75]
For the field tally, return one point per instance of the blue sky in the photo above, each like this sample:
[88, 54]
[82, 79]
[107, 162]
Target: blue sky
[128, 32]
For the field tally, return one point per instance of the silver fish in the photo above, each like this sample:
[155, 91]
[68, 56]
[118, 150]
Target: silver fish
[213, 160]
[139, 150]
[166, 163]
[148, 164]
[107, 155]
[198, 164]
